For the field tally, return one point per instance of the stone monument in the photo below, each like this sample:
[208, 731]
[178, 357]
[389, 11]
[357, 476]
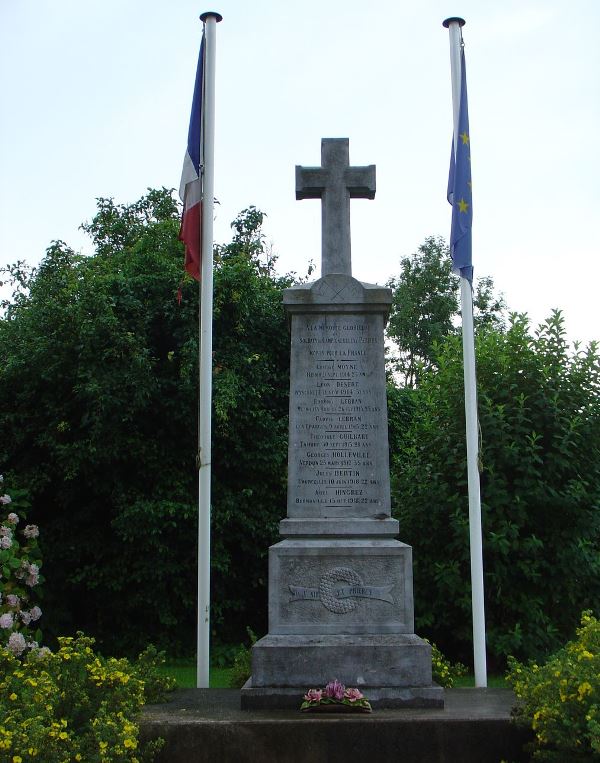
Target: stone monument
[340, 585]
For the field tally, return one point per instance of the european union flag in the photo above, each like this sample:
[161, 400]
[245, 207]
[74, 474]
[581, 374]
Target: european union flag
[459, 188]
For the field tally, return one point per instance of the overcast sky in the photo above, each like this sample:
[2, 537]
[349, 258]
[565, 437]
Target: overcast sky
[95, 101]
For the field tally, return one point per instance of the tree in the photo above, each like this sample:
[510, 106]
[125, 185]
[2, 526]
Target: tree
[539, 412]
[425, 307]
[98, 399]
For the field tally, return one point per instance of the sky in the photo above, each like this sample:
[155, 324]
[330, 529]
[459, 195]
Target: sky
[96, 96]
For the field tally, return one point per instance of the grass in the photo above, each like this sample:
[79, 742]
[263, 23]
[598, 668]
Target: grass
[185, 675]
[468, 681]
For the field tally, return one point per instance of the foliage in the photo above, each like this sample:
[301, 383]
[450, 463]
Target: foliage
[242, 662]
[444, 672]
[539, 413]
[425, 307]
[149, 669]
[98, 402]
[561, 698]
[74, 704]
[250, 408]
[20, 563]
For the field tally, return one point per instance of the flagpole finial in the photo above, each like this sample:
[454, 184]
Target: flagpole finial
[206, 14]
[447, 22]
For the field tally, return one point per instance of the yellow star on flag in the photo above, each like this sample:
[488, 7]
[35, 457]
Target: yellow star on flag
[465, 138]
[462, 206]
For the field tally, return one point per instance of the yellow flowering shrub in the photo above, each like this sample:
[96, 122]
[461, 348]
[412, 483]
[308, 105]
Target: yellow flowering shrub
[444, 672]
[561, 698]
[75, 705]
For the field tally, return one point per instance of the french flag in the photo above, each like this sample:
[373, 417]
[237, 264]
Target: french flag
[190, 188]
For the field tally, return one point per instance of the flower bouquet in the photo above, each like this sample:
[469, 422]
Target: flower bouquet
[335, 698]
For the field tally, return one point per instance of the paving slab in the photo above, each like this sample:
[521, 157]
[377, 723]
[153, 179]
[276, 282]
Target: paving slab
[202, 725]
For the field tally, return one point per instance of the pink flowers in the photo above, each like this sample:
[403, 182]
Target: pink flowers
[313, 695]
[33, 574]
[35, 613]
[18, 570]
[335, 690]
[16, 643]
[353, 694]
[337, 698]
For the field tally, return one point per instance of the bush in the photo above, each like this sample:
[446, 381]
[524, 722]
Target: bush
[98, 402]
[539, 412]
[20, 562]
[561, 698]
[242, 663]
[444, 672]
[75, 705]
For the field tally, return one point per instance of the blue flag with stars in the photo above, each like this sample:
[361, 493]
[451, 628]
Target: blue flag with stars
[459, 188]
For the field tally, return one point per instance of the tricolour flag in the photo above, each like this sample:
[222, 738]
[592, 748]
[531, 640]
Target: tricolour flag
[459, 188]
[190, 188]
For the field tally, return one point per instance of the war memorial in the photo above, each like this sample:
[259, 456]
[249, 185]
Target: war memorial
[340, 584]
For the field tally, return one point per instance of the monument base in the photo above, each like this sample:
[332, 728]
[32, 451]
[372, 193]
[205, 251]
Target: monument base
[278, 698]
[392, 670]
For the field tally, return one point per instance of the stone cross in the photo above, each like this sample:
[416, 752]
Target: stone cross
[335, 183]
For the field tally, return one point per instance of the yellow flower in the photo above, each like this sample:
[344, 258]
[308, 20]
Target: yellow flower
[17, 759]
[128, 742]
[12, 697]
[584, 689]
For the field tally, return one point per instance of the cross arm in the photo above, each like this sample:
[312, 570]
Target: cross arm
[310, 182]
[360, 182]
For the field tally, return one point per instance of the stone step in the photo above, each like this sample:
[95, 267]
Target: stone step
[202, 725]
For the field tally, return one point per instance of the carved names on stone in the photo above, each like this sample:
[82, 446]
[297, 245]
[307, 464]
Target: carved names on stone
[338, 459]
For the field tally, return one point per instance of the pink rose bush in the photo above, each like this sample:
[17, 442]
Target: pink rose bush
[20, 563]
[335, 696]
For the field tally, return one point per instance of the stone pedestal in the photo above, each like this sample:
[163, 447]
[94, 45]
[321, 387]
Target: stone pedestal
[340, 584]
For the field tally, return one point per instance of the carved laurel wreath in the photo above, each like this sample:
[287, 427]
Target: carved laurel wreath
[326, 589]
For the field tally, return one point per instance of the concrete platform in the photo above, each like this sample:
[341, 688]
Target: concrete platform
[202, 725]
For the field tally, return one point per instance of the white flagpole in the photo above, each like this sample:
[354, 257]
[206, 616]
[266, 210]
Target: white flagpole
[468, 338]
[206, 308]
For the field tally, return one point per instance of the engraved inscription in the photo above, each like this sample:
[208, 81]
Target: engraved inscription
[338, 417]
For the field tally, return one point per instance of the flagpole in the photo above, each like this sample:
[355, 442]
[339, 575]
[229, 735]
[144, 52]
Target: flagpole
[468, 340]
[210, 20]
